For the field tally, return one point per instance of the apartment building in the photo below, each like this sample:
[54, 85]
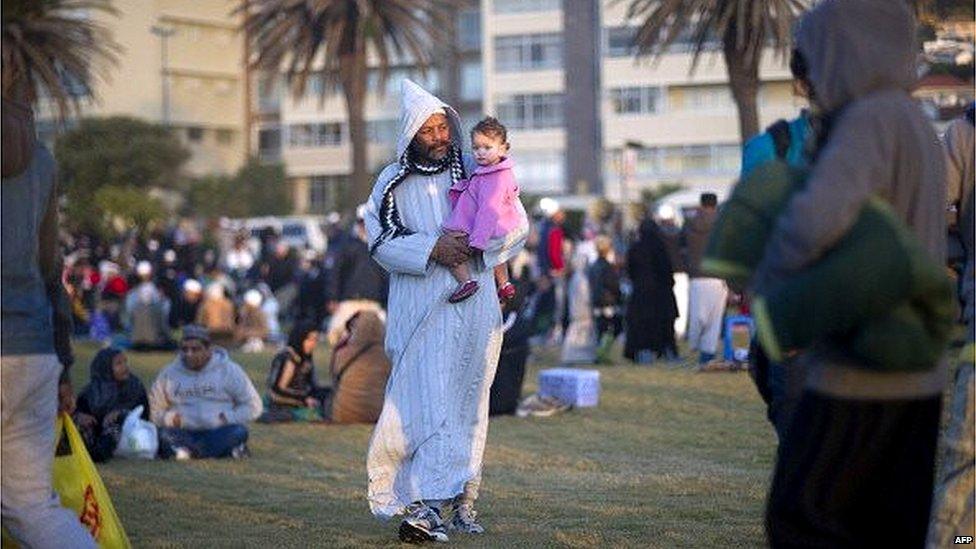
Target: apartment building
[510, 60]
[181, 64]
[310, 134]
[680, 127]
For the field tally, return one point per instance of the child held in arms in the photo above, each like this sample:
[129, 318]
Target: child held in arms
[485, 205]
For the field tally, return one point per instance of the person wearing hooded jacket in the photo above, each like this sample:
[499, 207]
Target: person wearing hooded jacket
[202, 402]
[103, 404]
[427, 448]
[856, 466]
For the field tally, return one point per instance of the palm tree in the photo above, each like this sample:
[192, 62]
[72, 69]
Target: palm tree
[745, 28]
[54, 48]
[331, 39]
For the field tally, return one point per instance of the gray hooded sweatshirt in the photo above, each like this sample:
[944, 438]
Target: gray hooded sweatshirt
[201, 396]
[861, 59]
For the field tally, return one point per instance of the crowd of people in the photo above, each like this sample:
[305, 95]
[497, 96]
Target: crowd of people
[481, 283]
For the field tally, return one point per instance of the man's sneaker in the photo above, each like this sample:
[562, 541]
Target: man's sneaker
[181, 454]
[465, 520]
[422, 524]
[240, 451]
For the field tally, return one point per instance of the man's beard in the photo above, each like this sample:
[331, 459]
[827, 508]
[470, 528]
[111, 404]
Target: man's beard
[432, 153]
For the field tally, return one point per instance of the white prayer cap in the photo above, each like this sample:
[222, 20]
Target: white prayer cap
[215, 290]
[548, 206]
[252, 298]
[192, 286]
[333, 218]
[143, 268]
[361, 211]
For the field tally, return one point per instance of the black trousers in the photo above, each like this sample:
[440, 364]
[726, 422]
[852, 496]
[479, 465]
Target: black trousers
[854, 473]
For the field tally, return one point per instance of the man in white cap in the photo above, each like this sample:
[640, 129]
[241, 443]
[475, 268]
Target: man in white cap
[426, 451]
[147, 313]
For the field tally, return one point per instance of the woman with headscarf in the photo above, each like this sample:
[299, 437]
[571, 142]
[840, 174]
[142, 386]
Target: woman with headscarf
[359, 371]
[293, 390]
[103, 404]
[652, 308]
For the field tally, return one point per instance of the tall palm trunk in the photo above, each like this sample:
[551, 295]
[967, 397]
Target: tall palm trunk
[353, 73]
[743, 69]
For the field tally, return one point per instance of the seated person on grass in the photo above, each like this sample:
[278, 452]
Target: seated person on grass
[293, 390]
[103, 404]
[876, 290]
[202, 402]
[359, 371]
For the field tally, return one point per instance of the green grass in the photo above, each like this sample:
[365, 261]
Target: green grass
[670, 458]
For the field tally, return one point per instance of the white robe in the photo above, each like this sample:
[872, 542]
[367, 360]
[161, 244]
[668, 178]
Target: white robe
[429, 441]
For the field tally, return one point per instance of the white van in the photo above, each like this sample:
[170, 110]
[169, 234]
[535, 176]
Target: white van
[299, 231]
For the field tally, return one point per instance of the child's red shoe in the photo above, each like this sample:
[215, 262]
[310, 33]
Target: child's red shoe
[464, 291]
[507, 292]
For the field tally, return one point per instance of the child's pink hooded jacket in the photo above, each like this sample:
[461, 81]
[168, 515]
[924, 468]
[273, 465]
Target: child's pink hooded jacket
[484, 204]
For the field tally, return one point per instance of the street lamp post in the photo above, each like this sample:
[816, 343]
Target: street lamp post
[164, 33]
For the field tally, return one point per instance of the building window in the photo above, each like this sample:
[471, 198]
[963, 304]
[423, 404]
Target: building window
[708, 99]
[381, 132]
[541, 171]
[620, 41]
[316, 135]
[523, 6]
[269, 143]
[637, 100]
[531, 111]
[680, 161]
[324, 192]
[194, 133]
[469, 30]
[225, 137]
[394, 79]
[471, 81]
[526, 52]
[269, 94]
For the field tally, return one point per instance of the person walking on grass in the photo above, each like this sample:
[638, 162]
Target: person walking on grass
[855, 468]
[426, 451]
[706, 295]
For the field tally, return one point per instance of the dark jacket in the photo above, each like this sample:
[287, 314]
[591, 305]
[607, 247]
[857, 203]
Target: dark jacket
[604, 284]
[694, 239]
[353, 274]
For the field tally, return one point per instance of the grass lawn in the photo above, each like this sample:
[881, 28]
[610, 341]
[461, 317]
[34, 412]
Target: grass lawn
[670, 458]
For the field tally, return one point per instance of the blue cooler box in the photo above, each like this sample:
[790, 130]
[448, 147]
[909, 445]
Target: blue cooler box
[580, 388]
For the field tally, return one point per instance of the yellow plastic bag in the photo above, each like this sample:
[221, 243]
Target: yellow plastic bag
[77, 483]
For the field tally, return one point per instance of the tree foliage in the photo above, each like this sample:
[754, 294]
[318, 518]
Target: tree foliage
[55, 48]
[116, 153]
[256, 189]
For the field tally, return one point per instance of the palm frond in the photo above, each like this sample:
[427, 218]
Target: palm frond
[52, 46]
[303, 38]
[746, 25]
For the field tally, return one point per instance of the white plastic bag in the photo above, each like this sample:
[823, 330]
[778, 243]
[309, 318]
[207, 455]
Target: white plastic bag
[139, 437]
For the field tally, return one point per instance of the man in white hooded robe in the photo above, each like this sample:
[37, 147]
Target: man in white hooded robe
[426, 450]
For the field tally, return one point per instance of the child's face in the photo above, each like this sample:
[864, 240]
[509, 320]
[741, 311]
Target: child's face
[488, 150]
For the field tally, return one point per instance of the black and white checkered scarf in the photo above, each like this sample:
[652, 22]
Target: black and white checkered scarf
[390, 223]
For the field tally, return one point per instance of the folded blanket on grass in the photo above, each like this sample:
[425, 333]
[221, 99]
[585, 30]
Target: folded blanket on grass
[876, 293]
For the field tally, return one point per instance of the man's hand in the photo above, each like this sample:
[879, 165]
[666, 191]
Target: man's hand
[450, 251]
[66, 397]
[177, 421]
